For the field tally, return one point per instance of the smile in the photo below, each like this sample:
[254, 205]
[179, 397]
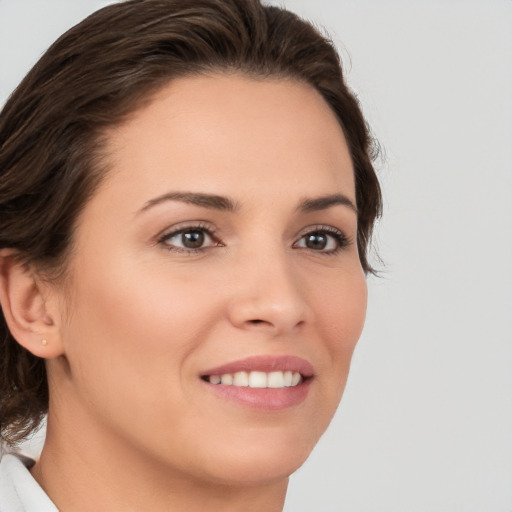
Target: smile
[257, 379]
[267, 383]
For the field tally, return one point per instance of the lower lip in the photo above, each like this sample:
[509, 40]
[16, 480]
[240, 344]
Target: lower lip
[269, 399]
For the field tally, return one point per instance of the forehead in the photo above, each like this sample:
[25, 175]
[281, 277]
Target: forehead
[223, 132]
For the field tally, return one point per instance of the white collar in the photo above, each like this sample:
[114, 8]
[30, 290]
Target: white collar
[19, 492]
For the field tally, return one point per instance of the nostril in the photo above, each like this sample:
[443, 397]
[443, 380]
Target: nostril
[256, 322]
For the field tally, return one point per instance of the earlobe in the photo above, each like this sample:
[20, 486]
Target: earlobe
[29, 314]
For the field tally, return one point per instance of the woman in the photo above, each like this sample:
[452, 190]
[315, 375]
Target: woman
[187, 197]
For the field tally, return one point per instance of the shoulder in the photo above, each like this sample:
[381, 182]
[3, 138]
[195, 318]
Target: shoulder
[19, 492]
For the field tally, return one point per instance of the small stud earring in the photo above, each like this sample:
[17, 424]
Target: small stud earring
[44, 342]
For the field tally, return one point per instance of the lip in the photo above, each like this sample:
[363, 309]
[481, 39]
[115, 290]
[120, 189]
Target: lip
[263, 399]
[264, 363]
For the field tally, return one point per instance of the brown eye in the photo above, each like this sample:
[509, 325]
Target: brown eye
[192, 239]
[189, 239]
[316, 241]
[324, 240]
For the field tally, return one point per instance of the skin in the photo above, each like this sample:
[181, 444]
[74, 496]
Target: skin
[131, 425]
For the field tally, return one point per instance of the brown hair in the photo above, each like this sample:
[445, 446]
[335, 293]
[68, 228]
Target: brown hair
[94, 76]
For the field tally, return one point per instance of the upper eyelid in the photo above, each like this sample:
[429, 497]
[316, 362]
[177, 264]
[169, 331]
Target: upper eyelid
[211, 230]
[343, 238]
[206, 226]
[170, 233]
[321, 227]
[187, 226]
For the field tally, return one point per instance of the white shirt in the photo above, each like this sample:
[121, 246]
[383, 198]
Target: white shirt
[19, 492]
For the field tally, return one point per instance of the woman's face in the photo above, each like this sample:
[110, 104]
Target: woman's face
[221, 245]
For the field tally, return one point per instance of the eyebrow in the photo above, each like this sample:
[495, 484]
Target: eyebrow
[324, 202]
[204, 200]
[222, 203]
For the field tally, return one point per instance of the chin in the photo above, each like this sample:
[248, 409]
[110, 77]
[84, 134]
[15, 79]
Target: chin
[248, 470]
[264, 459]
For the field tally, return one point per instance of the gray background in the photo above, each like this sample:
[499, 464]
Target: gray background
[426, 421]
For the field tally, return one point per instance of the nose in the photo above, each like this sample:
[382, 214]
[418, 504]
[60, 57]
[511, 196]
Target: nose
[268, 296]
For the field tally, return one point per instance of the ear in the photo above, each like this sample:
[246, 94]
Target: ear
[30, 309]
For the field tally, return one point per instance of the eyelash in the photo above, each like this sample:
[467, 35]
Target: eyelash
[203, 228]
[340, 239]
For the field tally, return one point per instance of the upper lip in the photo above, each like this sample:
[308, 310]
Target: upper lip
[264, 363]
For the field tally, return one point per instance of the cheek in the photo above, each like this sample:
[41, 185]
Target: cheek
[341, 315]
[132, 330]
[142, 312]
[342, 308]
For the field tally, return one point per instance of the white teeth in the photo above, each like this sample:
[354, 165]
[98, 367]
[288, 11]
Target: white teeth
[226, 379]
[273, 380]
[295, 378]
[241, 379]
[258, 380]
